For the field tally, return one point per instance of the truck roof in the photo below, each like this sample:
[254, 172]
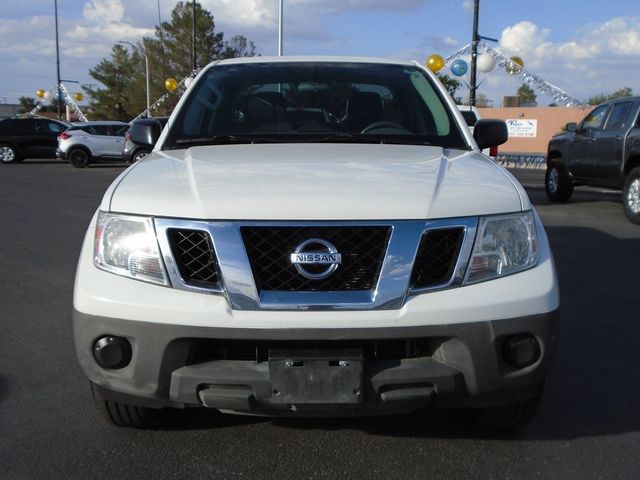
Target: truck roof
[311, 58]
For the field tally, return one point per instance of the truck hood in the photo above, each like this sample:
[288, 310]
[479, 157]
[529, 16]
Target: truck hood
[315, 182]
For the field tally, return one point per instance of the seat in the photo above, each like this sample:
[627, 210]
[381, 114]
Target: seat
[364, 108]
[266, 107]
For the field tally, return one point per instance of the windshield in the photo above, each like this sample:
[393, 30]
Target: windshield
[314, 102]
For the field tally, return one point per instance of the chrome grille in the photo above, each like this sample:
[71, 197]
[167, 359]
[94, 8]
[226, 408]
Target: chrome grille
[195, 257]
[437, 257]
[269, 249]
[382, 265]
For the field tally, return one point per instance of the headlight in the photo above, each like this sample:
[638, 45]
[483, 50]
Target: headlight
[504, 245]
[127, 246]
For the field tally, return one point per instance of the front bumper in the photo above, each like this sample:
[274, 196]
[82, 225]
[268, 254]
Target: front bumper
[180, 343]
[464, 366]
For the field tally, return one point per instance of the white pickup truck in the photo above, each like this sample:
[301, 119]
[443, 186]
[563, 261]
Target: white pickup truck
[316, 236]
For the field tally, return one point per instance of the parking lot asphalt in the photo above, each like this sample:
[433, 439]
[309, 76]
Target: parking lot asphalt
[588, 426]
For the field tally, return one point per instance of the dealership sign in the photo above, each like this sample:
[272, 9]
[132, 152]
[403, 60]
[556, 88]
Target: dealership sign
[522, 127]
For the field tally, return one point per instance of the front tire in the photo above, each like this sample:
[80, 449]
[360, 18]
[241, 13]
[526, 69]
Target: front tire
[8, 154]
[631, 196]
[125, 415]
[79, 158]
[507, 417]
[557, 183]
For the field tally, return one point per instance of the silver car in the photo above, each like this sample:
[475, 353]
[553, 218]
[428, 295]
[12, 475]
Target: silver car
[92, 142]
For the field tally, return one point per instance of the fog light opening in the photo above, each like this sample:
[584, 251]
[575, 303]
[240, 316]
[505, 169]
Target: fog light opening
[521, 350]
[112, 352]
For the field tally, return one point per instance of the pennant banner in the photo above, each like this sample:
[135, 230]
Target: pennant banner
[536, 82]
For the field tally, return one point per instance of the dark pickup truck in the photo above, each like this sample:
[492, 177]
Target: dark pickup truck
[603, 150]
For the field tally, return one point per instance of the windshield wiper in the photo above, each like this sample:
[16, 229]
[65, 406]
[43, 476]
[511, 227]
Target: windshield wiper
[342, 137]
[404, 141]
[223, 140]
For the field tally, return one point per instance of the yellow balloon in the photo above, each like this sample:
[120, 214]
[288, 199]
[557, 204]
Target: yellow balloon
[435, 63]
[78, 96]
[40, 93]
[171, 84]
[513, 69]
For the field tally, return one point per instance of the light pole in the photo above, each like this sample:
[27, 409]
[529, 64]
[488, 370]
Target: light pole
[475, 39]
[193, 37]
[57, 62]
[280, 28]
[146, 70]
[474, 54]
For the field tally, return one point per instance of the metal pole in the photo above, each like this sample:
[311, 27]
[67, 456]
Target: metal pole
[280, 28]
[193, 37]
[146, 72]
[90, 89]
[57, 62]
[474, 54]
[163, 70]
[159, 18]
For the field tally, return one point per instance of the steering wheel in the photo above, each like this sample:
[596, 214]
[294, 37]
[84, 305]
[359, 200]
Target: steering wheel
[332, 119]
[383, 124]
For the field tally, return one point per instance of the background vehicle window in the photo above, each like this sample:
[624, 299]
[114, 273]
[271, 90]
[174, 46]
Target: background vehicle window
[87, 129]
[22, 125]
[595, 118]
[55, 127]
[119, 130]
[618, 117]
[100, 130]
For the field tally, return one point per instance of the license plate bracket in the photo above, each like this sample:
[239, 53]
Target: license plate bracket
[316, 377]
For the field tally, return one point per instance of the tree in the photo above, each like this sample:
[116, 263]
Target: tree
[118, 76]
[26, 104]
[177, 39]
[526, 96]
[451, 84]
[238, 46]
[603, 97]
[169, 53]
[482, 101]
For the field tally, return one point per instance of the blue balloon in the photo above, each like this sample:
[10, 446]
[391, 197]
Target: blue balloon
[459, 67]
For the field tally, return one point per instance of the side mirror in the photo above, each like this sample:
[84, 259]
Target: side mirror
[571, 127]
[146, 131]
[490, 133]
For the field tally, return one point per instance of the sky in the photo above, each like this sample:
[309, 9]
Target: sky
[585, 50]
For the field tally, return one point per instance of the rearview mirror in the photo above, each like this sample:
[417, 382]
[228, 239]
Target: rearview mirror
[490, 133]
[571, 127]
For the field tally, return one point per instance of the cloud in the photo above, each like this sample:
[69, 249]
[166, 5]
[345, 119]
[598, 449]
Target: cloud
[468, 6]
[619, 37]
[103, 11]
[524, 39]
[247, 14]
[258, 19]
[103, 23]
[605, 53]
